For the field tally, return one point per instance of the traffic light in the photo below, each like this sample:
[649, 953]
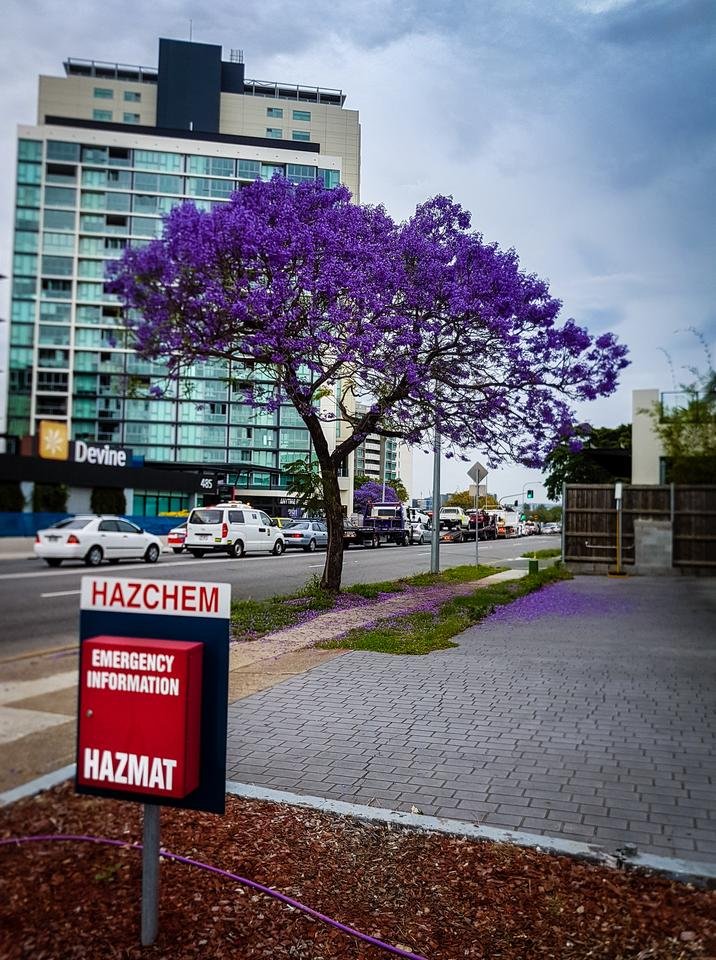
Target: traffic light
[530, 494]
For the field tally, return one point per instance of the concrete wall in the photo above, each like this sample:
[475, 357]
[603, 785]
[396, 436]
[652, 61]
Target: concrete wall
[647, 450]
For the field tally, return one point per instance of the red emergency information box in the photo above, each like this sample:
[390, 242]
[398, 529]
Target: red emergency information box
[140, 715]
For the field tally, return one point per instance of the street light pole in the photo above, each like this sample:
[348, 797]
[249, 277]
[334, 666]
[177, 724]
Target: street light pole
[435, 540]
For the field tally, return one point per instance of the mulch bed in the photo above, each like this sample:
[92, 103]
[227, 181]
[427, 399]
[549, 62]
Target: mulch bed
[438, 896]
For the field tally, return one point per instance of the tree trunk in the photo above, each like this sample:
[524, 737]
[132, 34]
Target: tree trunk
[333, 569]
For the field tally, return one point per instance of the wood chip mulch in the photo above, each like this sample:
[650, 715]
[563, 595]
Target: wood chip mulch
[438, 896]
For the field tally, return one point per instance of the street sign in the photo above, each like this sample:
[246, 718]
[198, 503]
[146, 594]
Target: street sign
[477, 472]
[154, 653]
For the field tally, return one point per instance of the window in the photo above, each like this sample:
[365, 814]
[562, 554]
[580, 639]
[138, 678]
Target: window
[302, 115]
[132, 96]
[300, 135]
[29, 172]
[249, 169]
[59, 219]
[26, 241]
[276, 113]
[107, 526]
[331, 178]
[103, 93]
[61, 173]
[274, 133]
[59, 266]
[131, 118]
[29, 150]
[60, 150]
[103, 115]
[156, 160]
[268, 170]
[236, 516]
[124, 526]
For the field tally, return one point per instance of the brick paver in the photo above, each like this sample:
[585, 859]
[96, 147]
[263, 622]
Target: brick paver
[587, 712]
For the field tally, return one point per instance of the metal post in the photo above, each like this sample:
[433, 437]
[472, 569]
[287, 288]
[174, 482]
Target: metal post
[564, 519]
[435, 542]
[477, 534]
[150, 874]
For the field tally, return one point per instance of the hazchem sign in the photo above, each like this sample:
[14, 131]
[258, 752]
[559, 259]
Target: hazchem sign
[140, 715]
[153, 690]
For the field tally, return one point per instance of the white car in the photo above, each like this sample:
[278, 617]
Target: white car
[93, 539]
[232, 528]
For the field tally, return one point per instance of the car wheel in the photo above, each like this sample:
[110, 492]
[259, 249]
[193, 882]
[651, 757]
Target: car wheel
[236, 550]
[311, 548]
[152, 553]
[93, 557]
[197, 553]
[52, 562]
[278, 548]
[177, 549]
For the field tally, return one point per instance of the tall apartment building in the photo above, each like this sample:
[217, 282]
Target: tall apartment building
[383, 458]
[114, 148]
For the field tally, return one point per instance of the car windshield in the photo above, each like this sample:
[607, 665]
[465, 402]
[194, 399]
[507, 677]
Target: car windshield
[71, 523]
[205, 516]
[300, 525]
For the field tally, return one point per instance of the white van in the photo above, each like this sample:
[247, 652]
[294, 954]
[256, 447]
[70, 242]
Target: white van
[231, 528]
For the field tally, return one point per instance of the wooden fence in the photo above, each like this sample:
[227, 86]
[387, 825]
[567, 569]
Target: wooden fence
[590, 523]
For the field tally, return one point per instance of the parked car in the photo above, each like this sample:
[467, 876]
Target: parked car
[231, 528]
[307, 534]
[451, 536]
[95, 538]
[176, 538]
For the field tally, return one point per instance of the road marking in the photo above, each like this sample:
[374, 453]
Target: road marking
[310, 565]
[15, 724]
[62, 593]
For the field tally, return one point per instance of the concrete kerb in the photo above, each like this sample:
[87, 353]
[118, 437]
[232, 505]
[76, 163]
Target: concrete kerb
[685, 871]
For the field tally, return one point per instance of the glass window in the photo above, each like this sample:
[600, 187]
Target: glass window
[25, 241]
[28, 196]
[132, 96]
[91, 268]
[331, 178]
[249, 169]
[104, 93]
[143, 203]
[119, 178]
[103, 115]
[144, 227]
[296, 172]
[170, 184]
[117, 201]
[120, 157]
[60, 197]
[55, 312]
[29, 172]
[27, 219]
[21, 334]
[89, 291]
[60, 266]
[93, 155]
[300, 135]
[295, 439]
[92, 245]
[29, 150]
[93, 178]
[57, 242]
[302, 115]
[268, 170]
[22, 311]
[108, 526]
[54, 334]
[23, 286]
[60, 150]
[274, 133]
[131, 118]
[24, 264]
[60, 289]
[59, 219]
[156, 160]
[276, 113]
[61, 173]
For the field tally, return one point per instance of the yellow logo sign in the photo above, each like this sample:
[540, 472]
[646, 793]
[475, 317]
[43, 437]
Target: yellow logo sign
[54, 441]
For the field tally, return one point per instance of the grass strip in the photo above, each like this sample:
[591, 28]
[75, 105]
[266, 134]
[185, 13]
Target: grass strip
[427, 630]
[253, 619]
[544, 554]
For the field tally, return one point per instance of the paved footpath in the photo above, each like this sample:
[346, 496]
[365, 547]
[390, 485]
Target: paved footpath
[584, 711]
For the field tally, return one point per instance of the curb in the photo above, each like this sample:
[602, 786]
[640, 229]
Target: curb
[695, 872]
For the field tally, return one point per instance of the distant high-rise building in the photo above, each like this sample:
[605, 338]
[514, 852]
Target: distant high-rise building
[115, 147]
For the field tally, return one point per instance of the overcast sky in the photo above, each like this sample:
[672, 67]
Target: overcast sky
[580, 132]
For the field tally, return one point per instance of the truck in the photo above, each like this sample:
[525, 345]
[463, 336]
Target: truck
[486, 526]
[385, 523]
[507, 523]
[454, 517]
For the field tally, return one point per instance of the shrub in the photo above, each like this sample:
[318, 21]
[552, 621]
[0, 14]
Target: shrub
[49, 498]
[11, 498]
[108, 500]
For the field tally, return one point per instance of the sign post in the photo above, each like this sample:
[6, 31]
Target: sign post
[153, 699]
[477, 474]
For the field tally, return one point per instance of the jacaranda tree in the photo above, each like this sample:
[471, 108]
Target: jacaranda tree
[332, 303]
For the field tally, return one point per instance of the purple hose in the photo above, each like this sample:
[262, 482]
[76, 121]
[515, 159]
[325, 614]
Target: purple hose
[297, 905]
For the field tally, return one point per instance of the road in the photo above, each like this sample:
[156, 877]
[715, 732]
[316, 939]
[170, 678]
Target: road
[40, 606]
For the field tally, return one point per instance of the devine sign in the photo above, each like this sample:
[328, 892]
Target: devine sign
[140, 715]
[102, 454]
[154, 690]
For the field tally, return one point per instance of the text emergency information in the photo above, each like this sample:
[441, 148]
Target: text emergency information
[148, 674]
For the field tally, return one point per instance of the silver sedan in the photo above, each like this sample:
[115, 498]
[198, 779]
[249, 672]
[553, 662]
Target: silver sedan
[307, 534]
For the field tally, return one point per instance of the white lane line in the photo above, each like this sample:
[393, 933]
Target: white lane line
[310, 565]
[62, 593]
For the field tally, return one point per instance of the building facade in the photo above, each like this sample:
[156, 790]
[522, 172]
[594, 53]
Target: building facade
[114, 148]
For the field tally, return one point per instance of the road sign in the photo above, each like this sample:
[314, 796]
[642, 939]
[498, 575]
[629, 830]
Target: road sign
[477, 472]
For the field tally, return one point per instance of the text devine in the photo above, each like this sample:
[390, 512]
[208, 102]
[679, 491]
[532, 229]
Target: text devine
[137, 770]
[145, 595]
